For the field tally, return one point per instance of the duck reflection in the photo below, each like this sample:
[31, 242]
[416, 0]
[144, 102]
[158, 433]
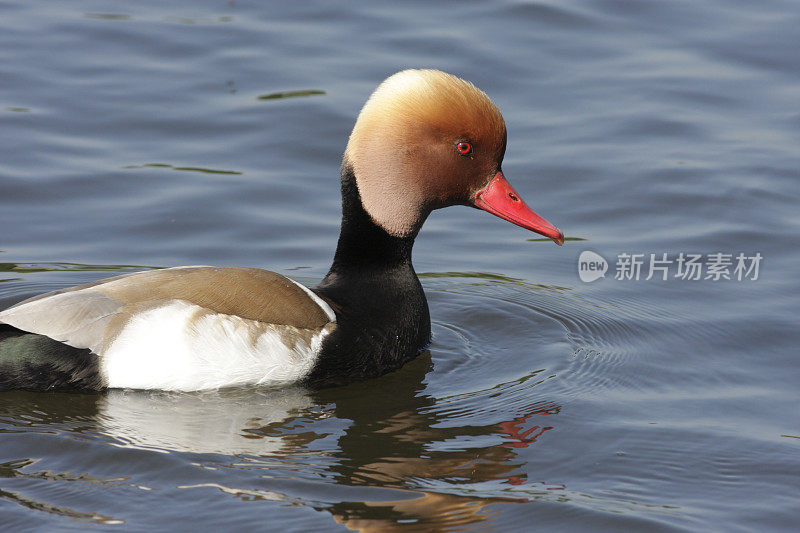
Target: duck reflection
[385, 433]
[235, 422]
[398, 439]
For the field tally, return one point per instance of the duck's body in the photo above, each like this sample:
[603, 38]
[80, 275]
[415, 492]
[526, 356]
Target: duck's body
[202, 327]
[181, 328]
[424, 140]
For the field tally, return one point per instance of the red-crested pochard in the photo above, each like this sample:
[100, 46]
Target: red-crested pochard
[424, 140]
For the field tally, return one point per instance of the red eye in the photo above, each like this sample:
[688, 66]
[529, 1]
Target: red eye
[464, 148]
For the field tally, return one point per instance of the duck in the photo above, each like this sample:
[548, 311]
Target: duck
[424, 140]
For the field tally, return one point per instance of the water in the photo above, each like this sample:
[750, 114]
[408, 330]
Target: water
[135, 136]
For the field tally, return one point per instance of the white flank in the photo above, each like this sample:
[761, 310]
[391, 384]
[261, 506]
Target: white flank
[183, 347]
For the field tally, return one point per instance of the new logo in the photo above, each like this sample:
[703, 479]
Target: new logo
[591, 266]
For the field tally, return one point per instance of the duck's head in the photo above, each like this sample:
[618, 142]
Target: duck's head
[426, 139]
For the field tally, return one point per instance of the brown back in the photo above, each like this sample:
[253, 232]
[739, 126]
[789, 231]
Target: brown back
[246, 292]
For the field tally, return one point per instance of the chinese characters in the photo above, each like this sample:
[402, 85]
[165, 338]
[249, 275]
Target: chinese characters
[688, 266]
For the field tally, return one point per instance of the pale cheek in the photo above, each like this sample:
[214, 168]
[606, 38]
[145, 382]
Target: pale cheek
[390, 191]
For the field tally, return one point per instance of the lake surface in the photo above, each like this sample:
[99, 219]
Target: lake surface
[149, 135]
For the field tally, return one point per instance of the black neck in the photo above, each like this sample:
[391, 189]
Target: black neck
[382, 315]
[363, 245]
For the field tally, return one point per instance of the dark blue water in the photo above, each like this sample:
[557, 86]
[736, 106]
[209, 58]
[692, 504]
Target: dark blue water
[135, 136]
